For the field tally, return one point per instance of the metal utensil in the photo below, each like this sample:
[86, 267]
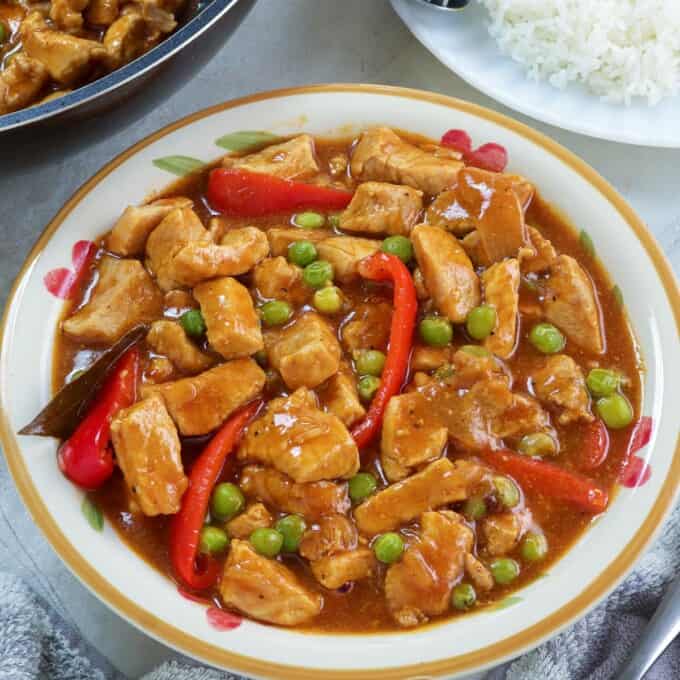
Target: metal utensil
[661, 631]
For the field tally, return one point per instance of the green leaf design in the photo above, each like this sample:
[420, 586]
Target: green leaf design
[246, 140]
[92, 514]
[507, 602]
[587, 242]
[178, 165]
[618, 295]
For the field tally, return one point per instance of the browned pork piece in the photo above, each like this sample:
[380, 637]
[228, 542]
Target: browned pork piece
[148, 452]
[265, 589]
[299, 439]
[200, 403]
[500, 283]
[125, 295]
[168, 338]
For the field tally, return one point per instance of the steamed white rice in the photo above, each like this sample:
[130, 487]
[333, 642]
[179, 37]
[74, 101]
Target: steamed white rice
[620, 49]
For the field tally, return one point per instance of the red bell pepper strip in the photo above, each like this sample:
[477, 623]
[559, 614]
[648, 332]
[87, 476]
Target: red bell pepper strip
[85, 457]
[595, 446]
[185, 527]
[384, 267]
[252, 194]
[548, 479]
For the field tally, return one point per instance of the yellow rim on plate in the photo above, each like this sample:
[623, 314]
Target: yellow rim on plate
[487, 656]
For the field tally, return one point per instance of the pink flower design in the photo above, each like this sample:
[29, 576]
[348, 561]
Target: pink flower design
[489, 156]
[64, 283]
[636, 471]
[223, 620]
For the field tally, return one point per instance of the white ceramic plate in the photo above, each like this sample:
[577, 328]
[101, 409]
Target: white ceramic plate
[125, 582]
[460, 40]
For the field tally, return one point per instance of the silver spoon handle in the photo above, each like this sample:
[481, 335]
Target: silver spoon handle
[661, 631]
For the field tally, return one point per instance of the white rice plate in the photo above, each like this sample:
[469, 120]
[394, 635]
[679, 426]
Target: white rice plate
[619, 49]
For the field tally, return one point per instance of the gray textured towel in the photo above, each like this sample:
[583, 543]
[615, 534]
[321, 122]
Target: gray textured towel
[37, 643]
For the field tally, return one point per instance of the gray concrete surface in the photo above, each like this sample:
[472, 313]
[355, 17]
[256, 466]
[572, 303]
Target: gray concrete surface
[281, 43]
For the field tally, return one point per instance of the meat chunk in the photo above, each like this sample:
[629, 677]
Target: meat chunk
[440, 483]
[294, 159]
[420, 585]
[543, 256]
[102, 12]
[559, 383]
[501, 290]
[493, 202]
[297, 438]
[306, 353]
[571, 304]
[500, 533]
[381, 208]
[21, 82]
[237, 253]
[333, 534]
[201, 403]
[68, 59]
[312, 500]
[230, 317]
[447, 213]
[255, 516]
[129, 233]
[124, 296]
[369, 327]
[345, 253]
[280, 238]
[178, 228]
[447, 270]
[338, 395]
[478, 573]
[409, 436]
[278, 279]
[430, 358]
[148, 452]
[168, 338]
[265, 589]
[125, 39]
[471, 368]
[335, 570]
[381, 155]
[68, 14]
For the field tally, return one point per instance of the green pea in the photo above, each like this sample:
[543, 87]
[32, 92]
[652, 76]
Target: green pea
[267, 542]
[436, 331]
[615, 410]
[506, 491]
[291, 527]
[399, 246]
[302, 253]
[476, 351]
[261, 358]
[275, 313]
[546, 338]
[603, 382]
[361, 486]
[328, 300]
[463, 596]
[333, 221]
[367, 386]
[317, 274]
[227, 500]
[537, 444]
[480, 322]
[474, 508]
[193, 323]
[388, 547]
[213, 540]
[534, 547]
[504, 570]
[369, 361]
[309, 220]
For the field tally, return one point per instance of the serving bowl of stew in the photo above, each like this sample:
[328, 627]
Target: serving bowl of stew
[345, 379]
[63, 59]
